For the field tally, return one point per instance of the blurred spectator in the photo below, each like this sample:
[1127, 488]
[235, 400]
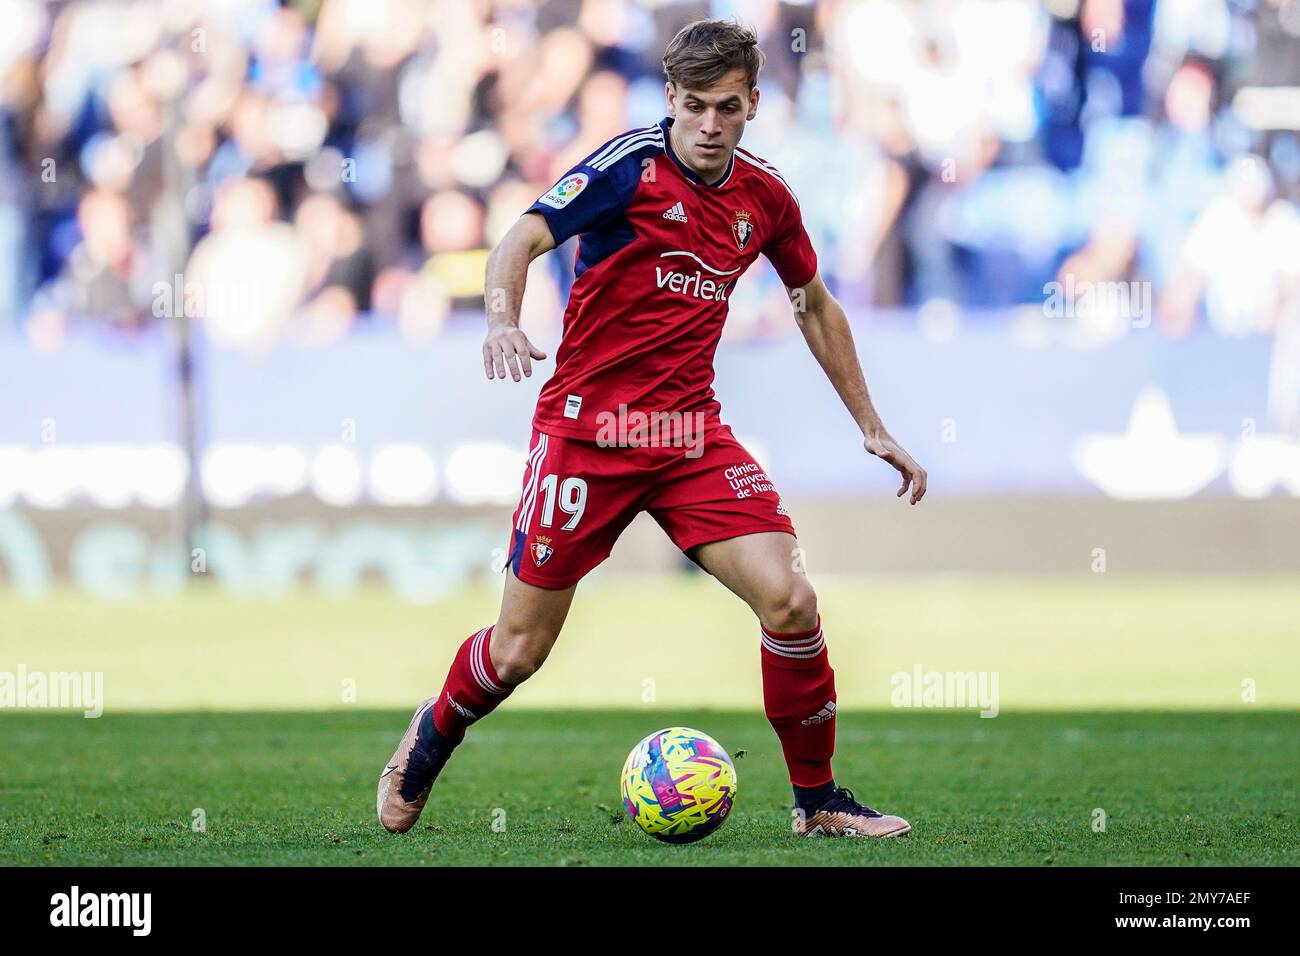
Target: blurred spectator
[347, 162]
[1242, 257]
[339, 267]
[105, 275]
[249, 275]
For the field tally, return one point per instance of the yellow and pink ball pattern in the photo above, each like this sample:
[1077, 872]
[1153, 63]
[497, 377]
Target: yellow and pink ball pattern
[678, 785]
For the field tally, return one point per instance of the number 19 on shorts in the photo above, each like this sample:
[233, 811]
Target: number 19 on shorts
[570, 495]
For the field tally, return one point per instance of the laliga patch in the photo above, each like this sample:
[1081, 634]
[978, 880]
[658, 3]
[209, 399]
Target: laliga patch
[565, 191]
[542, 550]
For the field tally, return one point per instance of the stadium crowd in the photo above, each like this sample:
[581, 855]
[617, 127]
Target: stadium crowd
[297, 170]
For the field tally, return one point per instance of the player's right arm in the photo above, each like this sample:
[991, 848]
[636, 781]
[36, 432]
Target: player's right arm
[589, 197]
[506, 346]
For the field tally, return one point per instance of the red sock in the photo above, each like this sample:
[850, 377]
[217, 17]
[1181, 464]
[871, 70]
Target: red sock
[799, 697]
[472, 690]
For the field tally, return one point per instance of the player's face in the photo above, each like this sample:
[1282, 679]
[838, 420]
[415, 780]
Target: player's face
[708, 123]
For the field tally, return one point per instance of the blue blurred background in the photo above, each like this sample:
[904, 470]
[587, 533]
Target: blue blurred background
[242, 248]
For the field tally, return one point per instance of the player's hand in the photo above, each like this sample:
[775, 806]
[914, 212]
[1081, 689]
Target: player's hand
[507, 346]
[882, 445]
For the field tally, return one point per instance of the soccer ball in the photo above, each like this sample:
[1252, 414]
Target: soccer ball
[678, 785]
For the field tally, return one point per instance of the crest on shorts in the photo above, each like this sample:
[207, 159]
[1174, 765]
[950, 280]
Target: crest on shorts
[542, 550]
[742, 228]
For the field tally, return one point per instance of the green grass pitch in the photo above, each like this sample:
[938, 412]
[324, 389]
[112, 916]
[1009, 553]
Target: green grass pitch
[542, 788]
[1119, 695]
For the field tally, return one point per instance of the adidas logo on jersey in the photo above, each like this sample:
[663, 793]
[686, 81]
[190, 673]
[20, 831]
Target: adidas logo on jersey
[676, 213]
[823, 715]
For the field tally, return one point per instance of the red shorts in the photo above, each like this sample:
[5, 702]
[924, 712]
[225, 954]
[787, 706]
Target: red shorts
[578, 497]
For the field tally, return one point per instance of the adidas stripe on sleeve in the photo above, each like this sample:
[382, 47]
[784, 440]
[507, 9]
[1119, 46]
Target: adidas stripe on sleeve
[595, 192]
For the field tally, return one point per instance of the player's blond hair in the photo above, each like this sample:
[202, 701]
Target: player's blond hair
[705, 51]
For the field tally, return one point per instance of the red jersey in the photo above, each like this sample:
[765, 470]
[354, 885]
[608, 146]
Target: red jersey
[659, 253]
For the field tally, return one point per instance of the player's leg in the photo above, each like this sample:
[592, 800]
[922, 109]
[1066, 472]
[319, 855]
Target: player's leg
[574, 503]
[495, 660]
[722, 508]
[765, 571]
[485, 671]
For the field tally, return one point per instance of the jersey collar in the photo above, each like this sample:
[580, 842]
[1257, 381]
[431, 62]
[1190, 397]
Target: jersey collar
[666, 123]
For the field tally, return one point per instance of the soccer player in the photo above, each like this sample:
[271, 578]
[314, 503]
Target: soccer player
[668, 218]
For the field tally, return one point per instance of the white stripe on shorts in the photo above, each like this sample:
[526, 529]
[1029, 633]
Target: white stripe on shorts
[530, 490]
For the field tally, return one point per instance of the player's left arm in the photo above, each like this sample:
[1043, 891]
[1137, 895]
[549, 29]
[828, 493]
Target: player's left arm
[826, 329]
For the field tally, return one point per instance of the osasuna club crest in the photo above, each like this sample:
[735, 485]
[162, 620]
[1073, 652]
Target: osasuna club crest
[542, 550]
[742, 228]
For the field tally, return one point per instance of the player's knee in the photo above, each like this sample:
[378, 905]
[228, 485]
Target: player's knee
[518, 655]
[516, 668]
[793, 607]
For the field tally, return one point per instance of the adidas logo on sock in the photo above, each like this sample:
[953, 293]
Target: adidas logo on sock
[676, 213]
[823, 715]
[461, 709]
